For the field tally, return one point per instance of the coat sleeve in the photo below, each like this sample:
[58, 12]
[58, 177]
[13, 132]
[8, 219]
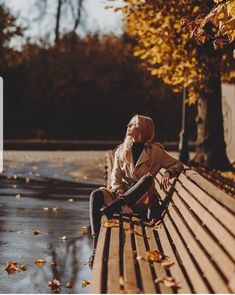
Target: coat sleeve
[117, 185]
[173, 166]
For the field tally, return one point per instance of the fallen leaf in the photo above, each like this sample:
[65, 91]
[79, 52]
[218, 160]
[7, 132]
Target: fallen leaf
[1, 205]
[53, 264]
[167, 281]
[14, 176]
[55, 209]
[71, 200]
[83, 230]
[40, 262]
[54, 285]
[85, 263]
[14, 186]
[140, 258]
[132, 231]
[69, 285]
[62, 238]
[34, 167]
[18, 196]
[167, 263]
[135, 219]
[155, 256]
[19, 232]
[24, 267]
[85, 283]
[157, 227]
[111, 223]
[36, 232]
[45, 208]
[121, 281]
[11, 267]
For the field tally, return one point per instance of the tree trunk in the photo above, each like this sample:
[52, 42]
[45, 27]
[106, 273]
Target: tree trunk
[210, 145]
[78, 16]
[57, 27]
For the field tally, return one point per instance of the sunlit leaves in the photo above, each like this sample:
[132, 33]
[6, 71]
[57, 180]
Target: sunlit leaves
[40, 261]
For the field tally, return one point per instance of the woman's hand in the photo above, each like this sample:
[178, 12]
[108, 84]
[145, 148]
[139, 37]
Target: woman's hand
[127, 209]
[165, 181]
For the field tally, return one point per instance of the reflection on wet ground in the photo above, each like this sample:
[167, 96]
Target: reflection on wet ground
[34, 198]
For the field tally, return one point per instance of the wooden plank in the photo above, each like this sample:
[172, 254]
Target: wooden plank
[159, 269]
[221, 234]
[130, 282]
[146, 275]
[209, 271]
[176, 270]
[212, 190]
[97, 271]
[218, 210]
[192, 272]
[212, 247]
[113, 271]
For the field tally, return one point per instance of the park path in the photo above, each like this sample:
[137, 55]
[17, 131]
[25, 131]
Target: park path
[47, 191]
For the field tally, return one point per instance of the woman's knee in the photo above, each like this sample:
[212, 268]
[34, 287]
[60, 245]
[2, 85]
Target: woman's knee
[97, 196]
[148, 179]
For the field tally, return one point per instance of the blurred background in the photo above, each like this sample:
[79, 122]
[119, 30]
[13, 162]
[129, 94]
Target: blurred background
[70, 74]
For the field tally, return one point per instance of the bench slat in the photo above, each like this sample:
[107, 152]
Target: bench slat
[213, 277]
[218, 210]
[195, 278]
[159, 270]
[97, 271]
[211, 190]
[217, 254]
[128, 262]
[146, 275]
[176, 270]
[113, 271]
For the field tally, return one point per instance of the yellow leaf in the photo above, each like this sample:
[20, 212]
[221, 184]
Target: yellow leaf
[85, 283]
[40, 261]
[111, 223]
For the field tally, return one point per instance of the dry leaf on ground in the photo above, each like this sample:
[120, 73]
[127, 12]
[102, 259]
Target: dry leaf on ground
[27, 179]
[54, 285]
[83, 230]
[55, 209]
[111, 223]
[167, 263]
[132, 231]
[45, 208]
[62, 238]
[53, 264]
[71, 200]
[167, 281]
[23, 267]
[85, 283]
[36, 232]
[18, 196]
[11, 267]
[40, 262]
[69, 285]
[1, 205]
[155, 256]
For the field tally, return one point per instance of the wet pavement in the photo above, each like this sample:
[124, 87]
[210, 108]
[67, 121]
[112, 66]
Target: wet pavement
[49, 192]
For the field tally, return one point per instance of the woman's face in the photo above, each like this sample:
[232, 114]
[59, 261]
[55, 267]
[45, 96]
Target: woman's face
[133, 129]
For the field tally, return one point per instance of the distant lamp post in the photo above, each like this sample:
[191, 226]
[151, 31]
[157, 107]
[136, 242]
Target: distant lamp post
[183, 136]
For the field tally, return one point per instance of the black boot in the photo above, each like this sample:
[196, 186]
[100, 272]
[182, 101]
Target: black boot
[92, 257]
[114, 207]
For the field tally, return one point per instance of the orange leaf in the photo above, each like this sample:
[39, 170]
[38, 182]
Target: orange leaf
[111, 223]
[155, 256]
[85, 283]
[11, 267]
[40, 262]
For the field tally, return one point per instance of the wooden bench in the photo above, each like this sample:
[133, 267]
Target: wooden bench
[196, 233]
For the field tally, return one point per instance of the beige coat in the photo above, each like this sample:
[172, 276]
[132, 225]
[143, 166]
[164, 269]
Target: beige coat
[151, 160]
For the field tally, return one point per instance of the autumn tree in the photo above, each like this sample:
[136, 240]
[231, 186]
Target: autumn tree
[170, 53]
[8, 30]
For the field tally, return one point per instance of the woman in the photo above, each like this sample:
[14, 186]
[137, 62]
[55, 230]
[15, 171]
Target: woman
[137, 160]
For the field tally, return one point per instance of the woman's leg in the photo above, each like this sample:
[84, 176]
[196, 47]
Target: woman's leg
[96, 203]
[131, 196]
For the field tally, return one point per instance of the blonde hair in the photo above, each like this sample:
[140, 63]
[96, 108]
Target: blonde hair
[146, 134]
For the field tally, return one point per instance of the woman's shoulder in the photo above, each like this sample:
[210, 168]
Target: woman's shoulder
[156, 145]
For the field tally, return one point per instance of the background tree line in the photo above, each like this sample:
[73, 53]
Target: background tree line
[81, 88]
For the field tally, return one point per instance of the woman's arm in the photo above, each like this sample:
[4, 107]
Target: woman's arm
[172, 166]
[116, 177]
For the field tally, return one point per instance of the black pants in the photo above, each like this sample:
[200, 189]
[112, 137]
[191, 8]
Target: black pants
[132, 195]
